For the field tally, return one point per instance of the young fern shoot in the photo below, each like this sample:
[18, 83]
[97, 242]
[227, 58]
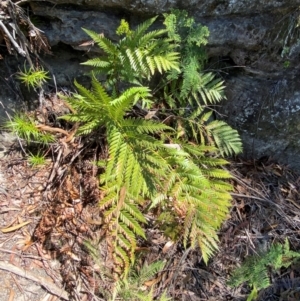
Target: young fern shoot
[137, 56]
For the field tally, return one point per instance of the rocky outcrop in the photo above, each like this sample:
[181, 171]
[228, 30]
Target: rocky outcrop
[253, 44]
[204, 7]
[266, 111]
[252, 33]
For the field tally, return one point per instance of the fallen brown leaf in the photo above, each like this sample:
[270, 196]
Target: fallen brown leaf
[16, 227]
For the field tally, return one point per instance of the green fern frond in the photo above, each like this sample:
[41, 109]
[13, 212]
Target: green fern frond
[225, 137]
[96, 108]
[255, 268]
[147, 272]
[136, 56]
[144, 126]
[220, 185]
[208, 203]
[144, 40]
[129, 164]
[133, 222]
[217, 173]
[166, 62]
[200, 151]
[148, 164]
[216, 133]
[98, 63]
[210, 89]
[130, 97]
[104, 43]
[141, 30]
[124, 225]
[212, 161]
[131, 288]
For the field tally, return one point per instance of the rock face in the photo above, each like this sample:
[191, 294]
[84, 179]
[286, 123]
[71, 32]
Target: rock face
[253, 44]
[267, 113]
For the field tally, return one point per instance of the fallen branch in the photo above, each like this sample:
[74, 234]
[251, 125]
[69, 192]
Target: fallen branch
[49, 286]
[51, 129]
[18, 48]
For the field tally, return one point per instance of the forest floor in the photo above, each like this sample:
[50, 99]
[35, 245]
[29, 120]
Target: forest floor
[49, 229]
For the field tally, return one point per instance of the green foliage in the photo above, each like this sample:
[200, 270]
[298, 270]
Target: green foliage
[255, 270]
[201, 128]
[33, 78]
[194, 91]
[136, 56]
[36, 159]
[141, 167]
[124, 28]
[195, 190]
[133, 166]
[173, 168]
[226, 139]
[23, 126]
[190, 83]
[133, 289]
[286, 64]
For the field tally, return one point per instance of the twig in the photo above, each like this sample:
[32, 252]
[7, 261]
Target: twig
[50, 287]
[174, 277]
[19, 49]
[261, 198]
[255, 198]
[21, 254]
[46, 264]
[26, 1]
[54, 168]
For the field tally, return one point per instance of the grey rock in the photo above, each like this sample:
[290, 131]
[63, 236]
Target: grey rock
[266, 112]
[6, 141]
[203, 7]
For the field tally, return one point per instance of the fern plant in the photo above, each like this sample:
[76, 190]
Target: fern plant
[136, 287]
[133, 287]
[255, 270]
[142, 171]
[194, 91]
[190, 85]
[133, 167]
[149, 164]
[137, 56]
